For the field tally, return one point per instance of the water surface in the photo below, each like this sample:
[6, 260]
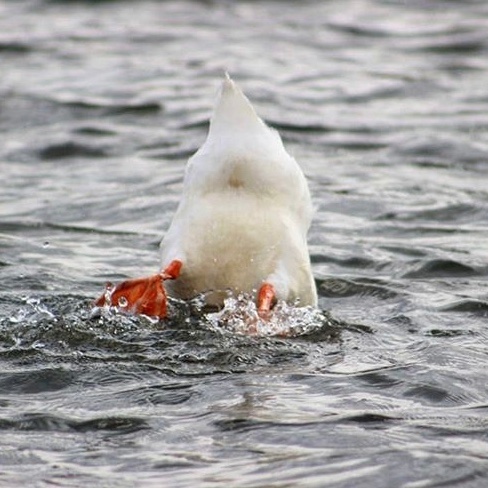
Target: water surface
[385, 105]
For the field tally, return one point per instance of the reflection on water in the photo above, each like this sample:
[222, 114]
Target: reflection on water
[385, 106]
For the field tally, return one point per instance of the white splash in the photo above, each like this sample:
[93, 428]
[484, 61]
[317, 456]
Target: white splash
[33, 313]
[240, 316]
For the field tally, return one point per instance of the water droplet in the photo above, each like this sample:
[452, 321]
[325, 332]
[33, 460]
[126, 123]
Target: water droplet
[107, 296]
[123, 302]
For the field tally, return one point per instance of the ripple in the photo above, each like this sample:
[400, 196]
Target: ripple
[70, 149]
[36, 381]
[165, 394]
[429, 393]
[457, 43]
[93, 130]
[117, 425]
[441, 268]
[359, 29]
[448, 332]
[336, 287]
[239, 425]
[45, 422]
[351, 262]
[461, 212]
[370, 418]
[14, 47]
[441, 151]
[114, 107]
[472, 306]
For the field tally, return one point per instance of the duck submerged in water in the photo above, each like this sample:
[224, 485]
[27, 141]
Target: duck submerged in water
[241, 224]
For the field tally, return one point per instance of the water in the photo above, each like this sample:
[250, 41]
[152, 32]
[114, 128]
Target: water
[385, 105]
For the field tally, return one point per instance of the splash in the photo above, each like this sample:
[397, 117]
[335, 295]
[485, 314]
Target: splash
[34, 312]
[240, 316]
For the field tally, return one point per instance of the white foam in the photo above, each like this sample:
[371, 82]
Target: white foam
[240, 316]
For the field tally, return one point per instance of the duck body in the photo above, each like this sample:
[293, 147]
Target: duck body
[243, 219]
[245, 212]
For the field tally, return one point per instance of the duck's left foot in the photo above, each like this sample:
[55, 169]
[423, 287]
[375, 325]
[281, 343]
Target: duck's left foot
[145, 296]
[266, 300]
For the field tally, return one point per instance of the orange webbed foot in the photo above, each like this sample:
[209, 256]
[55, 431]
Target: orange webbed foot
[145, 296]
[266, 300]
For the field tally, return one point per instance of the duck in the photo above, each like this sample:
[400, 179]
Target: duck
[241, 225]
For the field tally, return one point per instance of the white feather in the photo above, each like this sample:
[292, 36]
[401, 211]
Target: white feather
[244, 213]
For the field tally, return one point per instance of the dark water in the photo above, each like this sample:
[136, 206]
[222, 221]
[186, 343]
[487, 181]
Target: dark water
[385, 104]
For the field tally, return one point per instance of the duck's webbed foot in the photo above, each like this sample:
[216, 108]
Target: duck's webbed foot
[145, 296]
[266, 300]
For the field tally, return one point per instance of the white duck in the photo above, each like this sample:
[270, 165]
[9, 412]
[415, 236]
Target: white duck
[241, 224]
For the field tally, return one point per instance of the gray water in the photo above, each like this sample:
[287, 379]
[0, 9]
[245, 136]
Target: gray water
[385, 105]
